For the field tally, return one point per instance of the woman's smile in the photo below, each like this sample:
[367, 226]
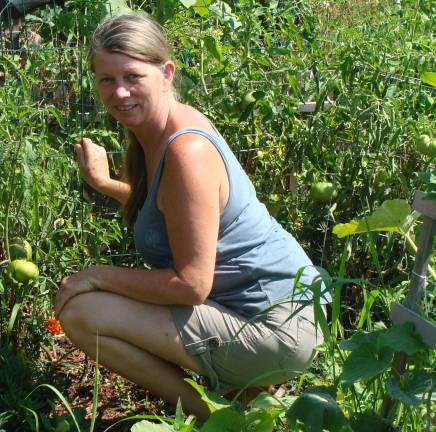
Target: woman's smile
[130, 89]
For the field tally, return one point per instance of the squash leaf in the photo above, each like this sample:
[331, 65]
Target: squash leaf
[392, 215]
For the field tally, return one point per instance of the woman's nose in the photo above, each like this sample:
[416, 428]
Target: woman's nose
[121, 90]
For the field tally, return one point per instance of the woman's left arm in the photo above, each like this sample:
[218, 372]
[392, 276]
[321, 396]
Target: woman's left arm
[189, 198]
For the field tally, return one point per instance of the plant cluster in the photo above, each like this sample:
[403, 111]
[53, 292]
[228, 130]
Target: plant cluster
[329, 106]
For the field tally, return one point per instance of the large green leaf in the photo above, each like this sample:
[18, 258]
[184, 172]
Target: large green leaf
[224, 420]
[318, 413]
[410, 387]
[365, 362]
[400, 337]
[146, 426]
[266, 402]
[213, 400]
[369, 422]
[259, 421]
[391, 216]
[359, 339]
[429, 78]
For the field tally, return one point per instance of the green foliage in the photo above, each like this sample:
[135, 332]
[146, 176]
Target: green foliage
[368, 69]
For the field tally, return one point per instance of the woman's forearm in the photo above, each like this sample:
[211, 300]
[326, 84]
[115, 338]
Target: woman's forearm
[115, 189]
[157, 286]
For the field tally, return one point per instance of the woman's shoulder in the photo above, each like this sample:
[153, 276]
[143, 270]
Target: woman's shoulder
[187, 117]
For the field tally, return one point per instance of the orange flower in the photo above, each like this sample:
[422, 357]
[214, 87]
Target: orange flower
[53, 326]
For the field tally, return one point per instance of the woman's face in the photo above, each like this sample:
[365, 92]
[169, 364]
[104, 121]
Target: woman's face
[131, 90]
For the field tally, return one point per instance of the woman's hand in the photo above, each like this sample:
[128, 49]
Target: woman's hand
[93, 163]
[70, 286]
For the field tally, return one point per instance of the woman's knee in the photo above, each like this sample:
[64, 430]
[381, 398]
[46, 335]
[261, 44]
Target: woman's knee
[77, 317]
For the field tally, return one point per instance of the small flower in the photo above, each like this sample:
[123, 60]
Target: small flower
[53, 326]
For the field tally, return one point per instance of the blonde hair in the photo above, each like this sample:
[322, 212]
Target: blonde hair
[142, 38]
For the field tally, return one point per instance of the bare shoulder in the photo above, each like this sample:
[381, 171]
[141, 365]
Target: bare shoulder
[189, 150]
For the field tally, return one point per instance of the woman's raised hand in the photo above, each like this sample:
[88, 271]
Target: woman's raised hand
[93, 163]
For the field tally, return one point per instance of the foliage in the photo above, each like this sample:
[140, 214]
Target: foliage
[250, 66]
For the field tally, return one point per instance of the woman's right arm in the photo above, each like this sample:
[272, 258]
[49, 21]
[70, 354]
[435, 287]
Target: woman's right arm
[94, 168]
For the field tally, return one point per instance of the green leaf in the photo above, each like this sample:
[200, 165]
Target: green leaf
[369, 422]
[226, 419]
[259, 421]
[359, 339]
[266, 402]
[400, 337]
[214, 47]
[429, 78]
[188, 3]
[365, 363]
[410, 387]
[391, 216]
[146, 426]
[213, 400]
[200, 7]
[223, 12]
[117, 7]
[318, 412]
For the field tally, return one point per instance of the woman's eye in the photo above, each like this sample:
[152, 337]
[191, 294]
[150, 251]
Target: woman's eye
[105, 80]
[133, 77]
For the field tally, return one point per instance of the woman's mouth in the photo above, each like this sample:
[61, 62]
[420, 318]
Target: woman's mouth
[125, 108]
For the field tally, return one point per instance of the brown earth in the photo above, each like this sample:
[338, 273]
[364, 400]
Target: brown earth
[73, 373]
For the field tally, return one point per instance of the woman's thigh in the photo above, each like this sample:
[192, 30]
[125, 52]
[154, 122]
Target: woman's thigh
[147, 326]
[236, 351]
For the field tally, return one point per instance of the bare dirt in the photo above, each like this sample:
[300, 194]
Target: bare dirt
[73, 374]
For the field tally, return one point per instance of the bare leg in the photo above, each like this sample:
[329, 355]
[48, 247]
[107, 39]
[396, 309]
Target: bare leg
[137, 340]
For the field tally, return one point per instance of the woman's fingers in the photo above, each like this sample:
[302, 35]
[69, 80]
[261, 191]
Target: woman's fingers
[93, 163]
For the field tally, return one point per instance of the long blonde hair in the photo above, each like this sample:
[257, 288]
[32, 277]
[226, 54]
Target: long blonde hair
[142, 38]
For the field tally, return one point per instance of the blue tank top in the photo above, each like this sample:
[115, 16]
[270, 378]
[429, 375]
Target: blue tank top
[256, 259]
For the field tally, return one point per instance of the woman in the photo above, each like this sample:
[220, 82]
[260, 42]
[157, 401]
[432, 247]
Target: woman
[218, 257]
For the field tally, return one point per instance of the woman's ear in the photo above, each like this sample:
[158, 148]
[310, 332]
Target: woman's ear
[169, 71]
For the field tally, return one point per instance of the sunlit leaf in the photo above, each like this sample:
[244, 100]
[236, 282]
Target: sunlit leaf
[429, 78]
[213, 400]
[223, 11]
[146, 426]
[227, 419]
[391, 216]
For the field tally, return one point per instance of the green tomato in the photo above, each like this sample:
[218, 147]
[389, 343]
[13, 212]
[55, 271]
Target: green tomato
[323, 192]
[22, 271]
[19, 248]
[426, 146]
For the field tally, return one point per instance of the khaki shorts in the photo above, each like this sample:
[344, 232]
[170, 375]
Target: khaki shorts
[235, 351]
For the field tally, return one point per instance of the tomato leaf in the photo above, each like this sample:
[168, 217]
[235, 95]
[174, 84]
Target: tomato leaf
[214, 47]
